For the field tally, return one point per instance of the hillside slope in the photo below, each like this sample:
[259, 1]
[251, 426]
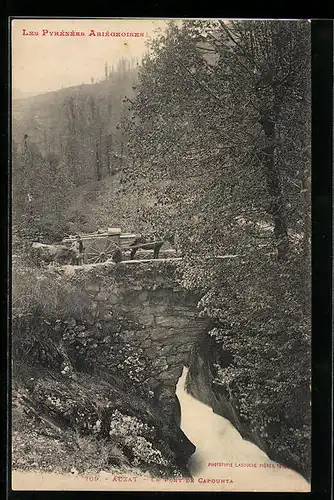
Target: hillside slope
[64, 142]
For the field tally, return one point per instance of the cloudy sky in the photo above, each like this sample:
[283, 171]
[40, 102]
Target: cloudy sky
[44, 63]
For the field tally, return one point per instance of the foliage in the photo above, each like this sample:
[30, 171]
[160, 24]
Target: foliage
[220, 134]
[182, 131]
[43, 293]
[268, 378]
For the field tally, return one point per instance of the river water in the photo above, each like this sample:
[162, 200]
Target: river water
[218, 442]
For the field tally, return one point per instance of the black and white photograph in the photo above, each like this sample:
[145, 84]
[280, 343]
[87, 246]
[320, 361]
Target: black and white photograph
[161, 254]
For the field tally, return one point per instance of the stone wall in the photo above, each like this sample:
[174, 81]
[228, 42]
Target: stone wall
[159, 321]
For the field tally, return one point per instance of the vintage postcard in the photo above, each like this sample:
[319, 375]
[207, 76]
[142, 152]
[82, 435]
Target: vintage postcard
[161, 181]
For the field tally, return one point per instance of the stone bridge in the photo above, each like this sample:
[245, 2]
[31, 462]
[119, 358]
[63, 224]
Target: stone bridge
[162, 318]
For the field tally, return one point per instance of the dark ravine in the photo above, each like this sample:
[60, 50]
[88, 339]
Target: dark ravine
[200, 384]
[125, 351]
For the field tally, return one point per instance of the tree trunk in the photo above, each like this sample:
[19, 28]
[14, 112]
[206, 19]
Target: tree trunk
[98, 163]
[109, 146]
[276, 207]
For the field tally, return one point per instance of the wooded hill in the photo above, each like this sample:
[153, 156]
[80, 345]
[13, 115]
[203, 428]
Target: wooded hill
[65, 139]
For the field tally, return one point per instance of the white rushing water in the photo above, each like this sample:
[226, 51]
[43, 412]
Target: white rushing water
[218, 442]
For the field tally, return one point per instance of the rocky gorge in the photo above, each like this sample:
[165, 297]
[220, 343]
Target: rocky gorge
[106, 368]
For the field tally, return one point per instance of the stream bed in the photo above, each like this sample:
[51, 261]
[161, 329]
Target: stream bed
[223, 461]
[221, 453]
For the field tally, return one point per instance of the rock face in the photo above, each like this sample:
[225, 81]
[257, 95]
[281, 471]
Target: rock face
[115, 352]
[200, 384]
[130, 428]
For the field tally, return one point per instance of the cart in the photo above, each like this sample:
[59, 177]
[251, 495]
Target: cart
[98, 247]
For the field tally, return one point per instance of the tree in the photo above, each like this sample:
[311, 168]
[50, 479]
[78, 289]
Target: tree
[205, 108]
[72, 145]
[109, 145]
[220, 140]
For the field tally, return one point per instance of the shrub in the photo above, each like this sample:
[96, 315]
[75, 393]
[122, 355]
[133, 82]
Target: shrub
[44, 293]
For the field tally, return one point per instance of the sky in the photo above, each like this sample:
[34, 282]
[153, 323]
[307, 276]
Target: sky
[45, 63]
